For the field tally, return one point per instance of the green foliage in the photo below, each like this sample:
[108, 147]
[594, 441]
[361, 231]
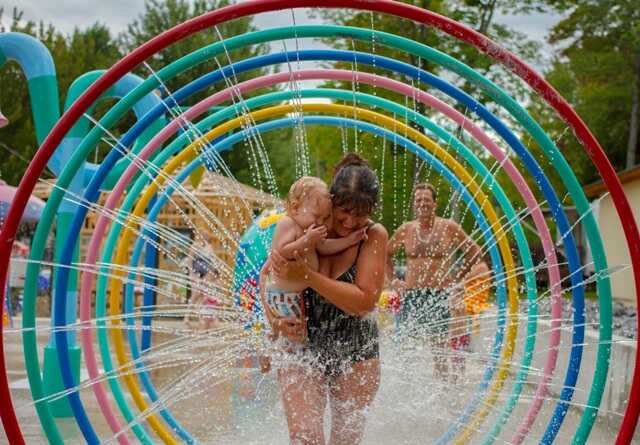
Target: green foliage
[402, 169]
[160, 16]
[594, 70]
[264, 161]
[248, 161]
[81, 52]
[95, 49]
[598, 72]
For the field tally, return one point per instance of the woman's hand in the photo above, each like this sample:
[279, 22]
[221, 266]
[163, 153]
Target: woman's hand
[290, 327]
[297, 270]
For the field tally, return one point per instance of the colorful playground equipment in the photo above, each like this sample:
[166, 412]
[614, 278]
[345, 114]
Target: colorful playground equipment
[150, 161]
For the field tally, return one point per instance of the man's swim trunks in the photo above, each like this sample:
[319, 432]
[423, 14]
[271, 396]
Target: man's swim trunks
[425, 312]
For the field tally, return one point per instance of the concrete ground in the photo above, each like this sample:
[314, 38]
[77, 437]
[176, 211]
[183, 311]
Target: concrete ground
[244, 406]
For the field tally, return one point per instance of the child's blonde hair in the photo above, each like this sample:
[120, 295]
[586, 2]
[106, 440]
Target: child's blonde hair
[303, 188]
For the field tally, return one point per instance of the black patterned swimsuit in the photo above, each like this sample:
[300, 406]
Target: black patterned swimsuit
[336, 340]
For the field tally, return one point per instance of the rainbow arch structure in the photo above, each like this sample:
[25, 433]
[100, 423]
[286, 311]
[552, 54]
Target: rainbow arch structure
[147, 179]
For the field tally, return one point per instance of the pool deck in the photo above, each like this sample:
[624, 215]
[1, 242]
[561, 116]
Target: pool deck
[395, 391]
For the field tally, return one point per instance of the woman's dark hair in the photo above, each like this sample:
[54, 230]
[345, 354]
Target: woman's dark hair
[355, 186]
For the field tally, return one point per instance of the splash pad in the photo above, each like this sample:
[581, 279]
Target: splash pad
[511, 398]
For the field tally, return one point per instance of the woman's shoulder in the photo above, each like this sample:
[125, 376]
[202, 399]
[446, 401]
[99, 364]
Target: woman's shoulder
[376, 229]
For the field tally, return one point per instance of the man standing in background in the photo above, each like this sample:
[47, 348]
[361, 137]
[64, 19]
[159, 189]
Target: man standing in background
[427, 301]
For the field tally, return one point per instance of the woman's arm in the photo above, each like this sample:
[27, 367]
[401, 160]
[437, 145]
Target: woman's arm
[358, 298]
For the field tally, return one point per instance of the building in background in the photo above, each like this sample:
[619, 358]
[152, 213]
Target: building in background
[613, 237]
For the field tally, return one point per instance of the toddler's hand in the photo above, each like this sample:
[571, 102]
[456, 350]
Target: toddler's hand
[357, 235]
[315, 234]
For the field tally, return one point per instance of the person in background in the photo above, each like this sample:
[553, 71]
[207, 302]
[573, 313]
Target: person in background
[475, 292]
[430, 244]
[210, 300]
[339, 361]
[202, 273]
[138, 297]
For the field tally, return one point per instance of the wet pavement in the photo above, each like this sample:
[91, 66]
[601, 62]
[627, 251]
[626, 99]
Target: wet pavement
[236, 404]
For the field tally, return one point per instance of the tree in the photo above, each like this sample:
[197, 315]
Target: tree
[73, 56]
[598, 71]
[478, 15]
[245, 160]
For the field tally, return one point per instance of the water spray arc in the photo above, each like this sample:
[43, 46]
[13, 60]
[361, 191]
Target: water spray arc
[152, 159]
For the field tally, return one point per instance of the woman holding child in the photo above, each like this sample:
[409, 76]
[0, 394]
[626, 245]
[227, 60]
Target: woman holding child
[339, 361]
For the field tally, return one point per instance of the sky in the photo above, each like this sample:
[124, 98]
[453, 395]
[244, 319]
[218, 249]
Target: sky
[66, 15]
[116, 14]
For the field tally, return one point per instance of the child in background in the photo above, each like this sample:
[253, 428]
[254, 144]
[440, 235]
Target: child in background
[201, 272]
[476, 291]
[211, 300]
